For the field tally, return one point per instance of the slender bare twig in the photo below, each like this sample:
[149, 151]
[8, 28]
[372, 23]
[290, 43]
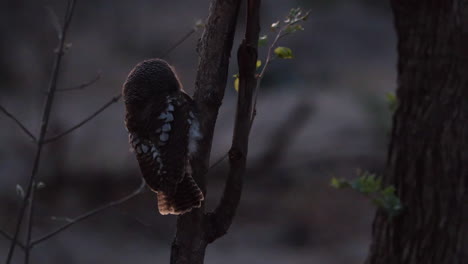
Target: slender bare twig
[113, 100]
[280, 34]
[6, 235]
[12, 117]
[182, 40]
[54, 20]
[9, 237]
[43, 129]
[220, 220]
[83, 85]
[221, 159]
[90, 213]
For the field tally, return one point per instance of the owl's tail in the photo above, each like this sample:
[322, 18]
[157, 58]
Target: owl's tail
[187, 197]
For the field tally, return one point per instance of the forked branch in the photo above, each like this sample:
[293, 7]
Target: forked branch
[88, 214]
[220, 220]
[23, 127]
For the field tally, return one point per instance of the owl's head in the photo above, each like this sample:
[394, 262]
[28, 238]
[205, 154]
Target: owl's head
[150, 78]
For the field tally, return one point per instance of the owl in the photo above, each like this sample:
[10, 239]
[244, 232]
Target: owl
[164, 133]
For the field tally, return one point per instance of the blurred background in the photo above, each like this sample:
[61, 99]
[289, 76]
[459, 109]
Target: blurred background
[320, 115]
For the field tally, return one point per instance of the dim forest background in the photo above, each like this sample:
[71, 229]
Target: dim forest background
[343, 67]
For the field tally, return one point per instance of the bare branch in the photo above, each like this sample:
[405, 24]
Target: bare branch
[83, 85]
[88, 214]
[280, 34]
[44, 125]
[55, 21]
[9, 237]
[6, 235]
[12, 117]
[179, 42]
[220, 220]
[268, 59]
[113, 100]
[221, 159]
[214, 49]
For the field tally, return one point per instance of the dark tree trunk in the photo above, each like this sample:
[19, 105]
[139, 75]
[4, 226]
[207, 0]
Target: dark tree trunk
[428, 153]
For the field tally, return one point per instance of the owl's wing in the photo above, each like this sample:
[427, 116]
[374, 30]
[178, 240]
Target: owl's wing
[162, 141]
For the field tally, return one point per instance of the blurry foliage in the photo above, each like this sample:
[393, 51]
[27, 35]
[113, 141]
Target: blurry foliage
[283, 53]
[371, 186]
[392, 101]
[290, 24]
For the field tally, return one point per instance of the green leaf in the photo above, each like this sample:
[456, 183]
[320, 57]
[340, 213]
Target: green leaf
[259, 63]
[284, 53]
[275, 25]
[338, 183]
[262, 40]
[370, 185]
[389, 190]
[392, 101]
[236, 84]
[293, 28]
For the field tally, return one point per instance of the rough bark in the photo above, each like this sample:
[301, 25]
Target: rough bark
[214, 50]
[428, 152]
[220, 220]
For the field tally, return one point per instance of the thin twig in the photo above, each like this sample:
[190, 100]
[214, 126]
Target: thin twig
[6, 235]
[175, 45]
[12, 117]
[221, 159]
[43, 129]
[83, 85]
[55, 21]
[90, 213]
[9, 237]
[113, 100]
[270, 57]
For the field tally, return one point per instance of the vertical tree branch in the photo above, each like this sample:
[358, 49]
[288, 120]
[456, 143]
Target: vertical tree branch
[220, 220]
[44, 124]
[214, 50]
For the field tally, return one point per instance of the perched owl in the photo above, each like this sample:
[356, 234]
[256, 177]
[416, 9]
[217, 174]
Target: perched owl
[164, 132]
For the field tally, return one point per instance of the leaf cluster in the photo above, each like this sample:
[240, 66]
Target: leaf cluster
[370, 185]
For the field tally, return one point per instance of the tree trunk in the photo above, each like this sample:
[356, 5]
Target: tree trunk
[428, 152]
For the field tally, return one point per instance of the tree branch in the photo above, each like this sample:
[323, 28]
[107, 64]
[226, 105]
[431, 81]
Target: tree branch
[214, 49]
[220, 220]
[83, 85]
[9, 237]
[113, 100]
[43, 130]
[179, 42]
[88, 214]
[12, 117]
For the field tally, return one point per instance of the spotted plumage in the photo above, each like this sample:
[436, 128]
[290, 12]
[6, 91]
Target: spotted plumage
[164, 132]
